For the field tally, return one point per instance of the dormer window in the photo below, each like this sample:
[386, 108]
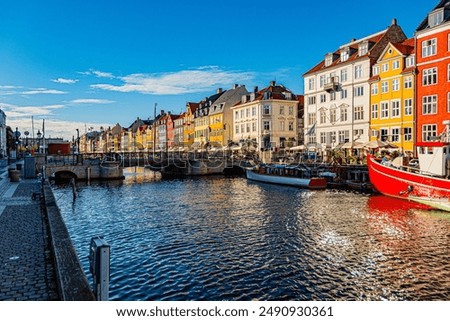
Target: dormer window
[436, 17]
[363, 48]
[376, 70]
[328, 59]
[345, 54]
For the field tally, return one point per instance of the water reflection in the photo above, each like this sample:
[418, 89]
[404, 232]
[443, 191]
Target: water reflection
[228, 239]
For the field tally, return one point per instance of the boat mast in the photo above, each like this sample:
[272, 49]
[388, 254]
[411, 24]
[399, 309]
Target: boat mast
[154, 130]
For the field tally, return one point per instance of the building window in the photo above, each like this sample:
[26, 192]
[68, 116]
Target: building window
[291, 110]
[254, 126]
[344, 114]
[376, 70]
[384, 110]
[242, 129]
[253, 111]
[410, 61]
[363, 48]
[311, 84]
[344, 76]
[395, 134]
[266, 125]
[407, 134]
[395, 85]
[282, 126]
[236, 115]
[429, 76]
[384, 87]
[247, 126]
[374, 109]
[332, 95]
[358, 72]
[436, 17]
[429, 131]
[291, 126]
[359, 91]
[323, 138]
[395, 108]
[247, 112]
[343, 136]
[408, 107]
[323, 98]
[374, 89]
[448, 102]
[281, 110]
[266, 109]
[408, 82]
[428, 48]
[395, 64]
[345, 53]
[429, 105]
[332, 116]
[312, 100]
[242, 113]
[384, 67]
[236, 129]
[448, 72]
[323, 117]
[322, 81]
[311, 118]
[384, 134]
[359, 113]
[344, 93]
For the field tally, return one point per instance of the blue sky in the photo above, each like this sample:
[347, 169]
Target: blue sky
[81, 64]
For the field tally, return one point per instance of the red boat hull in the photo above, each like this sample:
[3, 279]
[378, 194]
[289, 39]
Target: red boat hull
[398, 183]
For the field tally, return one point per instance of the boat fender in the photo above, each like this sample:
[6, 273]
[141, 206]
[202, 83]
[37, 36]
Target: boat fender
[408, 190]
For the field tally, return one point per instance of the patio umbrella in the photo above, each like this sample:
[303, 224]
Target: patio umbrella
[299, 147]
[379, 144]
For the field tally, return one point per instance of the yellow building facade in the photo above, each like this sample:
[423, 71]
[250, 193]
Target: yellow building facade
[392, 89]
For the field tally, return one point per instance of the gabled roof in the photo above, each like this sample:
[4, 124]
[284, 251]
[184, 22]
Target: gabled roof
[376, 42]
[229, 98]
[406, 47]
[273, 91]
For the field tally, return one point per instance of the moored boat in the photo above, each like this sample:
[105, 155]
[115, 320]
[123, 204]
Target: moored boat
[286, 175]
[426, 183]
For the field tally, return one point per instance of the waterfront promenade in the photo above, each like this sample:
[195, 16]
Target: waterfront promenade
[37, 258]
[27, 270]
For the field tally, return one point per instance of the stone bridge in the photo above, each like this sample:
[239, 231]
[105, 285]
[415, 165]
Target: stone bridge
[104, 170]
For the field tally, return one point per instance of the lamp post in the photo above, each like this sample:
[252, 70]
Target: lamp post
[39, 135]
[17, 136]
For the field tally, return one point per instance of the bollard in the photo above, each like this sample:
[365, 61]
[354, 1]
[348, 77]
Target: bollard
[99, 267]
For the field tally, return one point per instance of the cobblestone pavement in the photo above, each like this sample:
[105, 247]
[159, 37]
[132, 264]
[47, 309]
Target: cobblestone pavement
[26, 264]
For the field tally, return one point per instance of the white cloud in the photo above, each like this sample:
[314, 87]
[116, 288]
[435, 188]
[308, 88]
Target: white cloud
[55, 128]
[92, 101]
[37, 91]
[20, 112]
[97, 73]
[181, 82]
[64, 81]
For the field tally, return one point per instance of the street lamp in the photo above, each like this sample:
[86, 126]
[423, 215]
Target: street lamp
[39, 135]
[17, 135]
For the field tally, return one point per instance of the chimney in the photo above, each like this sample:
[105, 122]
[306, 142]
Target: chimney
[235, 86]
[162, 112]
[255, 89]
[272, 83]
[219, 90]
[394, 22]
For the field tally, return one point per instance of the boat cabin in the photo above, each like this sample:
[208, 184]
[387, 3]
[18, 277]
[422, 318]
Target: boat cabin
[434, 158]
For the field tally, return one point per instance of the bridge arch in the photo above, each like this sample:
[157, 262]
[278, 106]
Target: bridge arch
[64, 175]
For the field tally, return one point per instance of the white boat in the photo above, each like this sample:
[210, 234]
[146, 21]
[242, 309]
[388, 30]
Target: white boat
[285, 175]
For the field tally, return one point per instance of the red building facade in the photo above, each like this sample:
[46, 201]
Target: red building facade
[432, 41]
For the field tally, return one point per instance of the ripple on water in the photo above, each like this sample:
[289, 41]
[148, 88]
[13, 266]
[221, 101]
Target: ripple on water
[228, 239]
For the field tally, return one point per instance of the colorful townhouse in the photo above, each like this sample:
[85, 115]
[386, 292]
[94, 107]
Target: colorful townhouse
[267, 118]
[337, 92]
[432, 41]
[221, 116]
[201, 120]
[189, 125]
[392, 96]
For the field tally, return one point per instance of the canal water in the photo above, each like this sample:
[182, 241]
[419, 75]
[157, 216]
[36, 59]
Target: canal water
[220, 238]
